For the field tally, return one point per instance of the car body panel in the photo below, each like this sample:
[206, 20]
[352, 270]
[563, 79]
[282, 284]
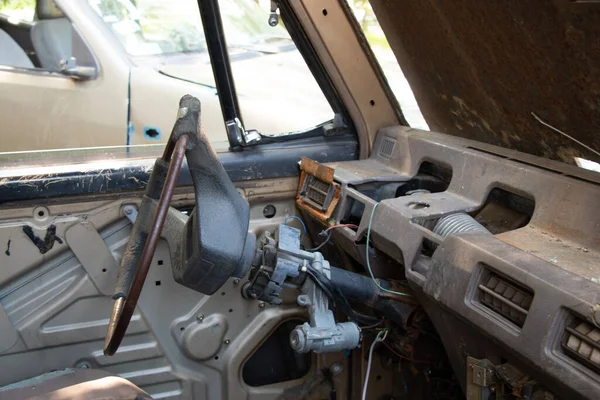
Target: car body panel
[152, 95]
[44, 108]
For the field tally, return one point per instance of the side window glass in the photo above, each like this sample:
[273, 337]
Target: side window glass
[276, 90]
[16, 19]
[153, 28]
[42, 39]
[18, 10]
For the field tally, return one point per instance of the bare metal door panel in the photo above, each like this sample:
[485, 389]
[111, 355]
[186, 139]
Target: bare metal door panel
[57, 309]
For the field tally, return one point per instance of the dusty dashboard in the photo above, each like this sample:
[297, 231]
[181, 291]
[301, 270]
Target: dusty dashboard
[501, 249]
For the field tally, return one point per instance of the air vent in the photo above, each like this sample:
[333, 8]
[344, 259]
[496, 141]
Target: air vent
[317, 193]
[505, 297]
[581, 342]
[386, 149]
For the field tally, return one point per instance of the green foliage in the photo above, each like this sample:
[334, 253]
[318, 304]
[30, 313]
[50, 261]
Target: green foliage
[20, 9]
[16, 4]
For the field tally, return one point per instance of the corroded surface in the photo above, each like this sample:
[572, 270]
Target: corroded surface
[478, 69]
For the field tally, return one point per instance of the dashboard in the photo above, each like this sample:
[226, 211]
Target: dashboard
[518, 289]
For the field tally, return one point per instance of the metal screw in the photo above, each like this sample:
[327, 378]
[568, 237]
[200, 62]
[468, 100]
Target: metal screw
[303, 300]
[227, 341]
[336, 368]
[127, 210]
[84, 365]
[236, 281]
[200, 317]
[294, 339]
[261, 304]
[273, 20]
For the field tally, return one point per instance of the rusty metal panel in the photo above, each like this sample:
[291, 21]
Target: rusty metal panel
[310, 167]
[479, 69]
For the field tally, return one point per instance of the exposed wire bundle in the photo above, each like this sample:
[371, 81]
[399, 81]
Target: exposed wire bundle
[327, 232]
[367, 257]
[380, 338]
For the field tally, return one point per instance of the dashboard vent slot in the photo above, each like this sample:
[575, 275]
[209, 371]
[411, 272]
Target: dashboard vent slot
[581, 342]
[317, 193]
[386, 149]
[501, 295]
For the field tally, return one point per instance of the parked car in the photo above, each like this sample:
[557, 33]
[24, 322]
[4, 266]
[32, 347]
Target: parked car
[131, 60]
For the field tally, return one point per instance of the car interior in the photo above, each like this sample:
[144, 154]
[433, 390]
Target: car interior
[47, 43]
[367, 260]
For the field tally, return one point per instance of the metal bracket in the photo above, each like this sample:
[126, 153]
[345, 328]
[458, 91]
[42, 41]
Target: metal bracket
[481, 379]
[237, 133]
[130, 212]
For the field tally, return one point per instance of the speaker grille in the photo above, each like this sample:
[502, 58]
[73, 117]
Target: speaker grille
[386, 149]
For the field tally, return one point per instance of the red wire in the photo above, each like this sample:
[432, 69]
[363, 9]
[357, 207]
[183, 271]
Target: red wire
[403, 357]
[341, 226]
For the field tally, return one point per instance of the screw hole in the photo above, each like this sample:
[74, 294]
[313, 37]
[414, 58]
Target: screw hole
[182, 328]
[153, 133]
[324, 12]
[372, 102]
[160, 262]
[231, 310]
[269, 211]
[222, 293]
[103, 269]
[157, 283]
[216, 357]
[418, 205]
[40, 213]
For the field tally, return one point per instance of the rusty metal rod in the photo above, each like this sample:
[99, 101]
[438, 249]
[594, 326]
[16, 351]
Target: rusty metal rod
[169, 148]
[123, 310]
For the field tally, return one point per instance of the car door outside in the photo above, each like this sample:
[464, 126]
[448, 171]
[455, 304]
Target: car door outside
[43, 110]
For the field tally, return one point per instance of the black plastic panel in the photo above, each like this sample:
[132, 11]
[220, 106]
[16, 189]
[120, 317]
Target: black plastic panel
[275, 160]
